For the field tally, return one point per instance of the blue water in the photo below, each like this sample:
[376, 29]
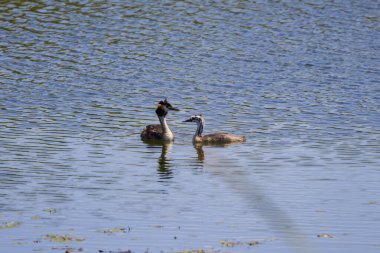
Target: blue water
[79, 80]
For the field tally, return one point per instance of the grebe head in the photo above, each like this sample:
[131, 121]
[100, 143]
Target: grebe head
[195, 118]
[163, 108]
[200, 122]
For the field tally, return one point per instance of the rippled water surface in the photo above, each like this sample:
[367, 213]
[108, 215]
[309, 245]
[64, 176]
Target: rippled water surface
[79, 80]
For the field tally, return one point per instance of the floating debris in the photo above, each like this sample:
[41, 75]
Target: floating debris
[373, 203]
[114, 230]
[68, 250]
[156, 226]
[251, 243]
[228, 243]
[233, 244]
[197, 22]
[10, 224]
[127, 251]
[51, 210]
[63, 238]
[325, 236]
[20, 242]
[198, 251]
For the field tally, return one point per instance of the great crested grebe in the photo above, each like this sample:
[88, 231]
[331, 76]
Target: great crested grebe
[216, 138]
[160, 132]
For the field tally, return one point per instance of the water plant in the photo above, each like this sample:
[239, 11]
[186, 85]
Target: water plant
[10, 224]
[63, 238]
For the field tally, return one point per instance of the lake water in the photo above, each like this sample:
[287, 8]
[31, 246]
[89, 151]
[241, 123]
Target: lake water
[79, 80]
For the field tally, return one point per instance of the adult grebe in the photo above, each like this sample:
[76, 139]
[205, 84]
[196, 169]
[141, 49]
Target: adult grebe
[217, 138]
[160, 132]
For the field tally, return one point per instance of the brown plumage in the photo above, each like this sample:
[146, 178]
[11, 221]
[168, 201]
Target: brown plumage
[219, 138]
[152, 132]
[215, 138]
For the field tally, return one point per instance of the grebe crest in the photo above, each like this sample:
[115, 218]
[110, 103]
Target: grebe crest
[162, 131]
[215, 138]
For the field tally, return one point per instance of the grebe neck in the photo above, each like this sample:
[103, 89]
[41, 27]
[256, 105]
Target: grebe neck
[200, 126]
[167, 133]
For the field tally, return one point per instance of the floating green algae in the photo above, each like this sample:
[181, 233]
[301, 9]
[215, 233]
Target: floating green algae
[156, 226]
[197, 251]
[236, 243]
[10, 224]
[114, 230]
[63, 238]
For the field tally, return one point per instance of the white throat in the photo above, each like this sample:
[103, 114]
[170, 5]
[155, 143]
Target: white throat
[167, 133]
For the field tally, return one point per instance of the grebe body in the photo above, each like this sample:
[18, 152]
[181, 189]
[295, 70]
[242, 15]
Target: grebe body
[215, 138]
[162, 131]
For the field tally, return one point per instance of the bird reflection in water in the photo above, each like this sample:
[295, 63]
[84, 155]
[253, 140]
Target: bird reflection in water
[200, 153]
[164, 164]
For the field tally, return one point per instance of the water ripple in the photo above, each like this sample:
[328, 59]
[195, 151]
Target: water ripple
[81, 79]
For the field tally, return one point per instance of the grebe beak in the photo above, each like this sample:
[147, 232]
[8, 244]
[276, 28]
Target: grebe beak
[188, 120]
[173, 109]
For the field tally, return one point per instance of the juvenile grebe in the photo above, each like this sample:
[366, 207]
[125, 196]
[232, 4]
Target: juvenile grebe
[160, 132]
[217, 138]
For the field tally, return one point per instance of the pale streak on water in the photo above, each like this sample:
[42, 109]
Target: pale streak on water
[80, 79]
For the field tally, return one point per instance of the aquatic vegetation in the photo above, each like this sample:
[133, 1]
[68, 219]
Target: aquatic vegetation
[224, 243]
[114, 230]
[198, 251]
[68, 249]
[156, 226]
[124, 251]
[10, 224]
[62, 238]
[19, 242]
[228, 243]
[51, 210]
[233, 243]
